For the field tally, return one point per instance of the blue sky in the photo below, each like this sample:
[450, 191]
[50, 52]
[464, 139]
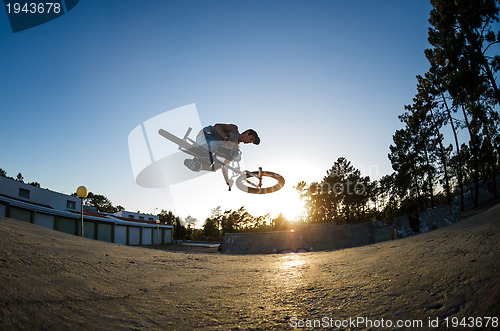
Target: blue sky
[317, 79]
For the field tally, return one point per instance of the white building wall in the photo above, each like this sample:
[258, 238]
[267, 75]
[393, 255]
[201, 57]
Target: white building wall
[38, 195]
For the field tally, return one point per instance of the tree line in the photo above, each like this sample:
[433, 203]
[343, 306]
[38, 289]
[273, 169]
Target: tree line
[19, 178]
[458, 94]
[234, 221]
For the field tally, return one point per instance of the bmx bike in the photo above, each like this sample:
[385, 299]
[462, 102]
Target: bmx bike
[256, 182]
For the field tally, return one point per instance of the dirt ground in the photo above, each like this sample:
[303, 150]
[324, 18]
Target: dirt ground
[54, 281]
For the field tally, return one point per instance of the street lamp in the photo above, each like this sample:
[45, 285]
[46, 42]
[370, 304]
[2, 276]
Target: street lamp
[158, 234]
[82, 192]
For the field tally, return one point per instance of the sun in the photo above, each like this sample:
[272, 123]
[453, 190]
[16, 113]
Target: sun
[285, 201]
[290, 205]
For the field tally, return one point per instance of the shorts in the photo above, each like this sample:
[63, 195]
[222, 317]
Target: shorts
[206, 139]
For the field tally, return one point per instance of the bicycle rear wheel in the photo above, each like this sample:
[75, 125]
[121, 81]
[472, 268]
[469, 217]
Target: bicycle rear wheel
[270, 182]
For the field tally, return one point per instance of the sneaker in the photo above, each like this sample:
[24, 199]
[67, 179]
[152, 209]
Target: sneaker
[192, 165]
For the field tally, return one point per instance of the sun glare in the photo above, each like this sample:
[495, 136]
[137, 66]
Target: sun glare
[291, 206]
[286, 201]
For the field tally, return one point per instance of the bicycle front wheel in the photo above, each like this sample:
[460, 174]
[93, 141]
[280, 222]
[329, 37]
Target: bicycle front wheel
[268, 183]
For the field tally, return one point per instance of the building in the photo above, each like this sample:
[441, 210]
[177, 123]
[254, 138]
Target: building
[61, 212]
[127, 215]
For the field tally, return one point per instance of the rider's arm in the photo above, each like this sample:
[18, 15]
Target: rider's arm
[223, 129]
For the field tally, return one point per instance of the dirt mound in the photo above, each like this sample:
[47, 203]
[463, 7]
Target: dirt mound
[51, 280]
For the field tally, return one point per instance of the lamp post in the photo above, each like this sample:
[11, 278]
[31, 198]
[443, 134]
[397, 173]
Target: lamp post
[158, 234]
[82, 192]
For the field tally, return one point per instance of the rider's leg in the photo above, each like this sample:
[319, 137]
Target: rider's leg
[207, 142]
[198, 164]
[232, 154]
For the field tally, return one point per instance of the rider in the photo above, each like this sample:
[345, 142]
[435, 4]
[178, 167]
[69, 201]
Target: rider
[223, 139]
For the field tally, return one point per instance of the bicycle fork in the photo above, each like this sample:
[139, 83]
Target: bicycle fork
[260, 177]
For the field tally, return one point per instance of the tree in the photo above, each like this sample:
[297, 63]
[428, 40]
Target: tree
[405, 163]
[212, 226]
[461, 36]
[20, 178]
[318, 204]
[190, 221]
[389, 196]
[342, 196]
[425, 140]
[168, 217]
[240, 220]
[180, 232]
[100, 202]
[428, 100]
[280, 223]
[438, 89]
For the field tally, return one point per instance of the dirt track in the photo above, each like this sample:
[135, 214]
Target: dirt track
[50, 280]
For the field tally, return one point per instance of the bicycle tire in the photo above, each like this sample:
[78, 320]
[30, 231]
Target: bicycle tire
[277, 182]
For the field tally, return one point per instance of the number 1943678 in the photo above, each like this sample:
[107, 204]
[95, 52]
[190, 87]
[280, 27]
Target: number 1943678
[33, 8]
